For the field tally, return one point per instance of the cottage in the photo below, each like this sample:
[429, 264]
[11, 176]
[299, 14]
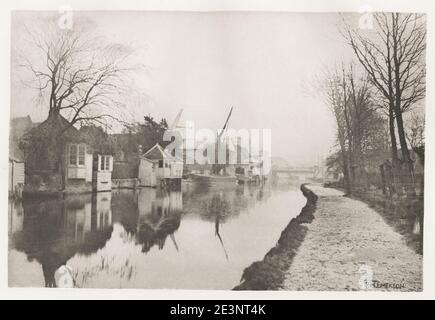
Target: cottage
[167, 168]
[58, 159]
[16, 177]
[84, 166]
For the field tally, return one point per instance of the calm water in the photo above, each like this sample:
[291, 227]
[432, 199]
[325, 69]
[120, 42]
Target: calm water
[196, 238]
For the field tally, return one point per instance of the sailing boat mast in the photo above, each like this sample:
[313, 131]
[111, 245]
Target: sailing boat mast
[217, 166]
[225, 125]
[176, 120]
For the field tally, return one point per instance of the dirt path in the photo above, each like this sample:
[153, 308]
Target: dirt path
[347, 246]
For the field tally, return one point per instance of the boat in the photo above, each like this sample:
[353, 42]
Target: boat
[215, 177]
[212, 179]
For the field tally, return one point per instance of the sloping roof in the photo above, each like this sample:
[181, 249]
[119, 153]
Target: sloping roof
[55, 125]
[158, 153]
[155, 153]
[14, 158]
[146, 159]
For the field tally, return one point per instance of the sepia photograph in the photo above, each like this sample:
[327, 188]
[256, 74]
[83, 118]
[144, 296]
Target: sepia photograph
[234, 150]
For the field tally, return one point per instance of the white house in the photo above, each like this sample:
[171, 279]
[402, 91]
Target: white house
[16, 177]
[79, 162]
[93, 169]
[165, 166]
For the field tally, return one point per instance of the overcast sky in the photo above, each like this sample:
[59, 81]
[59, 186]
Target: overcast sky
[263, 64]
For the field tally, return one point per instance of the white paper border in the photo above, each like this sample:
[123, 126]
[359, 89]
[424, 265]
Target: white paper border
[427, 6]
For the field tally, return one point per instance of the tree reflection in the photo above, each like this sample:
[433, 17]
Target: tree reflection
[150, 215]
[55, 230]
[72, 231]
[159, 217]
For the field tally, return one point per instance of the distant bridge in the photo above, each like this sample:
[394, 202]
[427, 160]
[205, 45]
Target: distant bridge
[298, 173]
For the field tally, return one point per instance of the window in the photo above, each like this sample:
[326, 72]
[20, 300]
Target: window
[105, 163]
[160, 163]
[81, 155]
[73, 154]
[77, 154]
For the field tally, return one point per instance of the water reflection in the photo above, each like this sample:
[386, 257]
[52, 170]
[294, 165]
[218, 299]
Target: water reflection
[53, 231]
[191, 238]
[16, 216]
[159, 217]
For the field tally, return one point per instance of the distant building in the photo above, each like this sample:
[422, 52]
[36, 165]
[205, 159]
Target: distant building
[18, 127]
[167, 168]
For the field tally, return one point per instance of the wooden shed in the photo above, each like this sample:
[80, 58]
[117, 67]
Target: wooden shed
[16, 177]
[147, 173]
[165, 166]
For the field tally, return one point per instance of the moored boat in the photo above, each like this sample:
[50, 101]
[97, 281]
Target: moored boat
[212, 179]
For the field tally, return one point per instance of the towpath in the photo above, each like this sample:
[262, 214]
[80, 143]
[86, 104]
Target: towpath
[349, 246]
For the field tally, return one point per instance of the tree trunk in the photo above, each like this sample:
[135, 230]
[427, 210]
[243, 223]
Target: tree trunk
[346, 173]
[395, 163]
[394, 155]
[61, 162]
[345, 163]
[409, 175]
[402, 137]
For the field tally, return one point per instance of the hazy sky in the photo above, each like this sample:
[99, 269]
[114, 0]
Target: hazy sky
[263, 64]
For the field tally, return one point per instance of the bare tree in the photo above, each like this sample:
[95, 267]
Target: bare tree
[78, 77]
[395, 61]
[415, 134]
[358, 122]
[337, 98]
[76, 74]
[415, 130]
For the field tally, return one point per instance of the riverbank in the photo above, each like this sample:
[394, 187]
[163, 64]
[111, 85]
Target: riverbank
[336, 243]
[269, 273]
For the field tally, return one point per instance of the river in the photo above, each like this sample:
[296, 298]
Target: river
[196, 238]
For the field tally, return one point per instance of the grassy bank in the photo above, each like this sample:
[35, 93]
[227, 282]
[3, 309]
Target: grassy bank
[269, 273]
